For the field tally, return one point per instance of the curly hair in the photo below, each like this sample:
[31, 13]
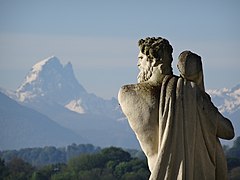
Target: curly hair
[159, 49]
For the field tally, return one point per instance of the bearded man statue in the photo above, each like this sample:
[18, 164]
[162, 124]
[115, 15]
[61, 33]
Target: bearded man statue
[173, 118]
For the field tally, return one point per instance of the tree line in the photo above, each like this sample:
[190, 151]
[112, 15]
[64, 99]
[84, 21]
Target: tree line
[106, 164]
[49, 154]
[88, 162]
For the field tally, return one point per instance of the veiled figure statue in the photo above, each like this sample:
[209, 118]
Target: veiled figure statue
[177, 125]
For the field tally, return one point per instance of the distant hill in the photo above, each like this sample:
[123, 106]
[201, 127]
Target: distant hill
[24, 127]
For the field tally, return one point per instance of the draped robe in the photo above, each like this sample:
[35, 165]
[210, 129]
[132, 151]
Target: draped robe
[189, 127]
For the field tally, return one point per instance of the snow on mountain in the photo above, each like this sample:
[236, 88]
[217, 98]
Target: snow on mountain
[49, 80]
[227, 100]
[76, 106]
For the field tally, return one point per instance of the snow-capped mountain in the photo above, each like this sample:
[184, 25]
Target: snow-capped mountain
[50, 80]
[227, 100]
[52, 89]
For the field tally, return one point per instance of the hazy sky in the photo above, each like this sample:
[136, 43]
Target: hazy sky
[100, 38]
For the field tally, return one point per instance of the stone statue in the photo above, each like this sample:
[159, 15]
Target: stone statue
[173, 117]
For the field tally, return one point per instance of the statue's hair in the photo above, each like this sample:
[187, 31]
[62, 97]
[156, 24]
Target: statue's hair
[158, 48]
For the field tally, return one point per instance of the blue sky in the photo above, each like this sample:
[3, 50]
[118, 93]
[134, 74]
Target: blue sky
[100, 38]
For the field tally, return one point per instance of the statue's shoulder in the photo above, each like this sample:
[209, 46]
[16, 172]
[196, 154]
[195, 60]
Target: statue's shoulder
[138, 90]
[129, 89]
[138, 101]
[141, 94]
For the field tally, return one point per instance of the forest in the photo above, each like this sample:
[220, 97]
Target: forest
[87, 162]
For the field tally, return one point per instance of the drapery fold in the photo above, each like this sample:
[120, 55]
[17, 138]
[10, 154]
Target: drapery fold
[188, 142]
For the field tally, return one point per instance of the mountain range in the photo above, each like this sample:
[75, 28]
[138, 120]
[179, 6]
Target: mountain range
[51, 107]
[52, 90]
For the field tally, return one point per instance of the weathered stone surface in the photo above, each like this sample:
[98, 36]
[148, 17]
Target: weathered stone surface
[173, 117]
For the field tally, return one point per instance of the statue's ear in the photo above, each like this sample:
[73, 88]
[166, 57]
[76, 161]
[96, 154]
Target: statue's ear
[155, 62]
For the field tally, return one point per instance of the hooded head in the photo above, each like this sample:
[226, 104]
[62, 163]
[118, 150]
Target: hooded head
[190, 67]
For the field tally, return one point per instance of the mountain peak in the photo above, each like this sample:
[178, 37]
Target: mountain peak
[68, 68]
[38, 67]
[51, 59]
[51, 79]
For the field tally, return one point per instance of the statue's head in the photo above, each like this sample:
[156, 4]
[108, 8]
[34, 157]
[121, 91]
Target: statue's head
[154, 52]
[190, 67]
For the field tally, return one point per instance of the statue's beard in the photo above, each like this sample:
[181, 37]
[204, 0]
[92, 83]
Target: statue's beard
[145, 74]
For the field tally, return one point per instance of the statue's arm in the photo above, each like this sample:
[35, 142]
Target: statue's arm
[142, 113]
[225, 128]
